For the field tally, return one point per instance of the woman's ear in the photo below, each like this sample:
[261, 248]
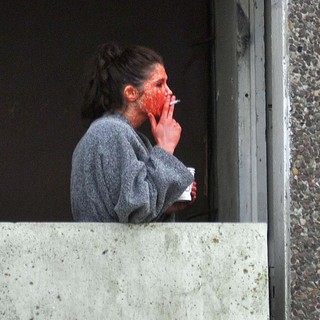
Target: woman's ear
[131, 93]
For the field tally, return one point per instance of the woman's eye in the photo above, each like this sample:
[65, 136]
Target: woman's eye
[159, 85]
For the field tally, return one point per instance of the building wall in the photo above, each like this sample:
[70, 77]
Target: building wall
[168, 271]
[304, 77]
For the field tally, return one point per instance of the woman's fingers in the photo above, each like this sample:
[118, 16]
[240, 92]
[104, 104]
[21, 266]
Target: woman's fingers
[167, 111]
[152, 120]
[194, 191]
[167, 131]
[170, 112]
[171, 108]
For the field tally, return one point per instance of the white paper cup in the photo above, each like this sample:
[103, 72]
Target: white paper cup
[186, 195]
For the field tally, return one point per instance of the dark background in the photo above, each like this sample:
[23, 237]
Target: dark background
[44, 48]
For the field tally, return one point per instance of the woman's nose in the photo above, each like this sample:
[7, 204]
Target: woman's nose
[168, 90]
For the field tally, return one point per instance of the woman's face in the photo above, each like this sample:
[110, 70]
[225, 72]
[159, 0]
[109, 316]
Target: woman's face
[155, 91]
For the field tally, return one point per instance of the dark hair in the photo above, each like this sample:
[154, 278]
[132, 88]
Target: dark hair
[113, 69]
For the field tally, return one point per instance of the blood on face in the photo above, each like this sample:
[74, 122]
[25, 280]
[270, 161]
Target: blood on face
[155, 91]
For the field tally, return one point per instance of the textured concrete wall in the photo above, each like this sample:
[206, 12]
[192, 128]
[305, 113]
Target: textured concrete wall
[114, 271]
[304, 77]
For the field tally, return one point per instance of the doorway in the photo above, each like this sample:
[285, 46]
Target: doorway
[210, 70]
[46, 47]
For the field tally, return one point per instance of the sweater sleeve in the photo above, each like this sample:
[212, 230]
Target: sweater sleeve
[149, 181]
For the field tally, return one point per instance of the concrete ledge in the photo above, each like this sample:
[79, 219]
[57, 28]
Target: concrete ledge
[113, 271]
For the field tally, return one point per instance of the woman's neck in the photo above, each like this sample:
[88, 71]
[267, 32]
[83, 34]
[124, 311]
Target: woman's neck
[135, 115]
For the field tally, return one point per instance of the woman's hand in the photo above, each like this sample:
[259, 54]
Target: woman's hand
[193, 192]
[178, 206]
[167, 131]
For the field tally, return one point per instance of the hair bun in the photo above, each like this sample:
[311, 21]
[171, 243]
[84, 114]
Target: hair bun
[109, 52]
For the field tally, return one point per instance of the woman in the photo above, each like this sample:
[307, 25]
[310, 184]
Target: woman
[117, 175]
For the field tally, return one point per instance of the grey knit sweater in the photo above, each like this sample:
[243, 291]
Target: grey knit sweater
[118, 176]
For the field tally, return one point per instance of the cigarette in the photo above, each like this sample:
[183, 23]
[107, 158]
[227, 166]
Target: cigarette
[174, 102]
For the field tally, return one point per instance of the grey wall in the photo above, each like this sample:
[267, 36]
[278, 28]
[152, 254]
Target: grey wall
[304, 77]
[226, 105]
[44, 47]
[121, 271]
